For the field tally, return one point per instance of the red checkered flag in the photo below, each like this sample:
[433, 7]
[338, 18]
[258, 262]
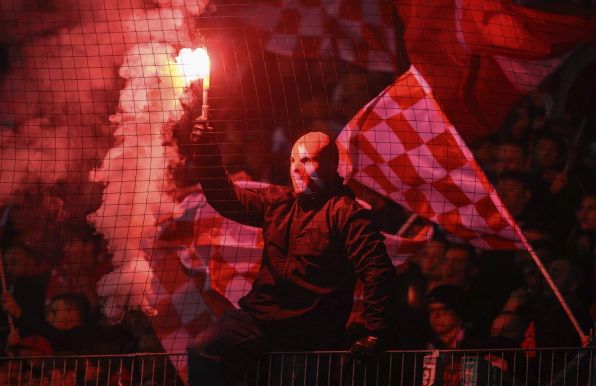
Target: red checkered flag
[400, 248]
[402, 145]
[362, 32]
[186, 297]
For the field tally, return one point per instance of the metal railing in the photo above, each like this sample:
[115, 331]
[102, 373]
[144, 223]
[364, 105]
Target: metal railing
[569, 366]
[96, 370]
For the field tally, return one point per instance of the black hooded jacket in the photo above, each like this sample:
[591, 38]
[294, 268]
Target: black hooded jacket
[315, 248]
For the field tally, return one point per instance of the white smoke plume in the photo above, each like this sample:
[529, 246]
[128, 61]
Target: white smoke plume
[136, 174]
[137, 169]
[88, 96]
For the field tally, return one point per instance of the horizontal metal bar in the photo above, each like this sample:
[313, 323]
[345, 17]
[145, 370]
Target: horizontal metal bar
[570, 366]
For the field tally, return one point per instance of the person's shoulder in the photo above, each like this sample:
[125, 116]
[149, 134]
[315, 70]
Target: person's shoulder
[278, 193]
[345, 199]
[270, 192]
[347, 208]
[281, 190]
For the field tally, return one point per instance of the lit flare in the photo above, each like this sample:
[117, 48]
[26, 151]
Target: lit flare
[194, 64]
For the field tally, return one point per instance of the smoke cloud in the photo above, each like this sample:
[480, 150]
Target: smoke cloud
[89, 97]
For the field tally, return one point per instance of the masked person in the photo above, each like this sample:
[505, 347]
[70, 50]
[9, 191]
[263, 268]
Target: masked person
[317, 241]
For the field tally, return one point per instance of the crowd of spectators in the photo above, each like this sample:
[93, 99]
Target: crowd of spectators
[50, 307]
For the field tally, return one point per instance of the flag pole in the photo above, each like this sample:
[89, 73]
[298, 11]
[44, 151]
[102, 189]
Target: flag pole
[571, 158]
[585, 339]
[406, 225]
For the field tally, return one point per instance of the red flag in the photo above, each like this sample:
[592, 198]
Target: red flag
[402, 145]
[361, 32]
[186, 298]
[400, 248]
[481, 56]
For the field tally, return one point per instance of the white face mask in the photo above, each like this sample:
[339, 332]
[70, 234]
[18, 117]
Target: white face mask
[307, 169]
[303, 171]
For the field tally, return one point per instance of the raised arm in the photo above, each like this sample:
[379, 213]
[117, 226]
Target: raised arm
[246, 206]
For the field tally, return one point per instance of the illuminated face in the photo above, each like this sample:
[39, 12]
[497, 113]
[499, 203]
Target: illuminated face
[63, 315]
[442, 319]
[514, 195]
[312, 165]
[509, 158]
[457, 264]
[429, 259]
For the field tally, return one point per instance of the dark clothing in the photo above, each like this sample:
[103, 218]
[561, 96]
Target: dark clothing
[31, 291]
[551, 210]
[237, 336]
[413, 326]
[499, 274]
[581, 247]
[553, 327]
[73, 340]
[314, 248]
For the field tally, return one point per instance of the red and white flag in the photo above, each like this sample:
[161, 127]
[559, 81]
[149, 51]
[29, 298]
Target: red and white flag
[482, 56]
[362, 32]
[402, 145]
[479, 56]
[185, 300]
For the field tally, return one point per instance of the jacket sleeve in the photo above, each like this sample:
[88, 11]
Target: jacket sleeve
[246, 206]
[366, 250]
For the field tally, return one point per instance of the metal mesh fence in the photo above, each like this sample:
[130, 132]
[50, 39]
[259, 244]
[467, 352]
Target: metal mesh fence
[569, 366]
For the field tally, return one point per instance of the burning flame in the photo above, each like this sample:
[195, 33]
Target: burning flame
[194, 64]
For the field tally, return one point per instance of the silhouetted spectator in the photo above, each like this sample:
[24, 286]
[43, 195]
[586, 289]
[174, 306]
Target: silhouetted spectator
[412, 325]
[30, 371]
[554, 188]
[581, 242]
[82, 264]
[67, 325]
[445, 307]
[27, 274]
[460, 268]
[552, 325]
[514, 190]
[509, 157]
[430, 259]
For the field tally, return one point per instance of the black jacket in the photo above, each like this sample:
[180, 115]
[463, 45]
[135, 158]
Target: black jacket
[314, 249]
